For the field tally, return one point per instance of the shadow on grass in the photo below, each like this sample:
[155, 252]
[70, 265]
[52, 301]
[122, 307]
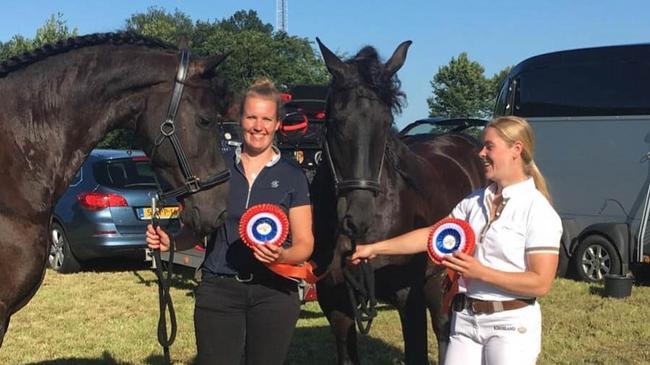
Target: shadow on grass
[183, 279]
[597, 289]
[116, 264]
[315, 346]
[310, 314]
[105, 359]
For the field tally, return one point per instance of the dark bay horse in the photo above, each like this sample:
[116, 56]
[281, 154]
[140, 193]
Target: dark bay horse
[57, 104]
[374, 186]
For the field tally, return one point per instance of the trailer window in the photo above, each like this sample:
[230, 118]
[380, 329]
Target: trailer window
[584, 90]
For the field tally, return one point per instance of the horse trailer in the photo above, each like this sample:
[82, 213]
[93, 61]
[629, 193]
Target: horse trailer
[590, 110]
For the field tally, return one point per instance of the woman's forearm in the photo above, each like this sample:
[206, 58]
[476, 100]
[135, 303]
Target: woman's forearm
[526, 284]
[296, 254]
[408, 243]
[535, 282]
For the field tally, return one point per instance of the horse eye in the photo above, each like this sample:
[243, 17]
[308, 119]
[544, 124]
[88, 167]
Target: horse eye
[204, 123]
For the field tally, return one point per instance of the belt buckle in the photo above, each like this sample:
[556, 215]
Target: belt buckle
[472, 306]
[244, 280]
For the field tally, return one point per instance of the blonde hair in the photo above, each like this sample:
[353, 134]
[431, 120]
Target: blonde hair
[263, 88]
[512, 129]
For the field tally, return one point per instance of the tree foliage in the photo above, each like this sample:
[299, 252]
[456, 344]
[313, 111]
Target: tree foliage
[497, 81]
[53, 30]
[158, 23]
[255, 49]
[460, 89]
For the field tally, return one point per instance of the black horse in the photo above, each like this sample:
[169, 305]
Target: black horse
[57, 104]
[373, 186]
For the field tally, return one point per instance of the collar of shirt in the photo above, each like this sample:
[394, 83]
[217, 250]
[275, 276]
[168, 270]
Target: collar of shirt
[514, 190]
[274, 159]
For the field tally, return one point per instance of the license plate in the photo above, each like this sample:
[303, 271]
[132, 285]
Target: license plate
[164, 213]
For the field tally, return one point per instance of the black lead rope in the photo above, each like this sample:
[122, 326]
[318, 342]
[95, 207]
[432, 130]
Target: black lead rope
[164, 297]
[361, 290]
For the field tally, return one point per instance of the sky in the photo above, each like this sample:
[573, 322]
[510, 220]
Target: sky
[496, 33]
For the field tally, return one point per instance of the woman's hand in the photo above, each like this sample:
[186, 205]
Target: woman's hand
[157, 239]
[267, 254]
[466, 265]
[363, 253]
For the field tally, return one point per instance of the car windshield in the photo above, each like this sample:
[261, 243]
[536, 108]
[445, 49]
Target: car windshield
[125, 173]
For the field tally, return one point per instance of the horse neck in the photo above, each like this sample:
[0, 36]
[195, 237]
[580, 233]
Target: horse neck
[56, 110]
[411, 168]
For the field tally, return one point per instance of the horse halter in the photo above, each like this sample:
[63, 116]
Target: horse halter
[192, 183]
[342, 185]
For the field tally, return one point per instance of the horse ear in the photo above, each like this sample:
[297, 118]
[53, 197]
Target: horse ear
[333, 63]
[396, 61]
[205, 67]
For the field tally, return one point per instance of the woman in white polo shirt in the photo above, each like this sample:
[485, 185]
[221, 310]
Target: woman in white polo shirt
[496, 319]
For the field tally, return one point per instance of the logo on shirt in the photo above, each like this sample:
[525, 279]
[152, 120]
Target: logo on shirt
[275, 184]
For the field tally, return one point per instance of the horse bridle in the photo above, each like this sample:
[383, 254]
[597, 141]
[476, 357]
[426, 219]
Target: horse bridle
[192, 183]
[342, 185]
[360, 282]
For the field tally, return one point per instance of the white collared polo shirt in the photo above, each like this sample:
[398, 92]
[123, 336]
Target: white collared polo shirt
[526, 224]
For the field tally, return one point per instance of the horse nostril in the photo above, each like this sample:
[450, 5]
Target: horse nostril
[348, 226]
[353, 229]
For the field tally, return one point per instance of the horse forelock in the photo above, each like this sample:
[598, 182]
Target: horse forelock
[116, 38]
[366, 69]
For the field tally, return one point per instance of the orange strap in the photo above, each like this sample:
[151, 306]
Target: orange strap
[449, 291]
[304, 272]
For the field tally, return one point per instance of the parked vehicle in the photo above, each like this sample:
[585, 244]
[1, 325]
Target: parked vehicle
[303, 128]
[440, 125]
[105, 210]
[590, 109]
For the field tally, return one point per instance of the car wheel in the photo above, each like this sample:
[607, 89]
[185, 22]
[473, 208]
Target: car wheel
[596, 257]
[61, 258]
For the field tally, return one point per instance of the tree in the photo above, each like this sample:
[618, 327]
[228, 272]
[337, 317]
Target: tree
[157, 23]
[53, 30]
[245, 20]
[497, 81]
[255, 50]
[461, 90]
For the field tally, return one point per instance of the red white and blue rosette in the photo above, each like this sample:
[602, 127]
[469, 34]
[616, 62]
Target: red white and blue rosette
[264, 224]
[448, 236]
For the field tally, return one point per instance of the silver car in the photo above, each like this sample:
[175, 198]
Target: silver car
[105, 210]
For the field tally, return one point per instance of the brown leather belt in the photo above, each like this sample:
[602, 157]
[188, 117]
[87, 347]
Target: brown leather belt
[477, 306]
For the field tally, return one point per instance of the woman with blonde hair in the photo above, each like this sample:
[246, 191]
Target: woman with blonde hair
[496, 317]
[243, 310]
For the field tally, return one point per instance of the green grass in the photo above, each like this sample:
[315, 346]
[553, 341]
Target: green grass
[108, 317]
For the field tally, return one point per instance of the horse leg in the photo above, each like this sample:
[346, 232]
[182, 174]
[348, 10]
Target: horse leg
[336, 306]
[413, 316]
[23, 252]
[441, 322]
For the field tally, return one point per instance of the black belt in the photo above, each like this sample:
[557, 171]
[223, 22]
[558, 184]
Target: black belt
[242, 278]
[267, 278]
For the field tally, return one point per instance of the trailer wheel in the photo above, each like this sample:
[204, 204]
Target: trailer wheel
[596, 257]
